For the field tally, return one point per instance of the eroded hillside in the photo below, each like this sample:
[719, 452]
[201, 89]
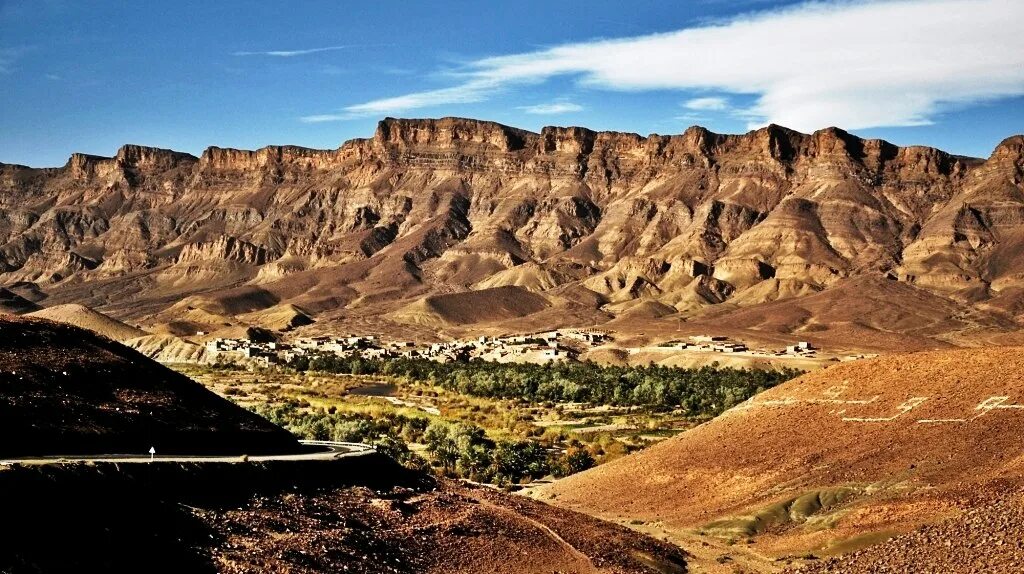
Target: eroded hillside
[435, 207]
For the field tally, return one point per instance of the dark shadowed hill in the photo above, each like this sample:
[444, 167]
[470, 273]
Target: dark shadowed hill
[66, 390]
[364, 515]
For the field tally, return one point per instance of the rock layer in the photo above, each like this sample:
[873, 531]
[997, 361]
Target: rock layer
[428, 207]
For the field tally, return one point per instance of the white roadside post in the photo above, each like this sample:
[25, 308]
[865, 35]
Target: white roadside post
[152, 453]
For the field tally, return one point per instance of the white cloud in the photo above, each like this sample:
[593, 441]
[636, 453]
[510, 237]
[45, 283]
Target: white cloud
[707, 104]
[475, 90]
[292, 53]
[321, 118]
[852, 64]
[552, 108]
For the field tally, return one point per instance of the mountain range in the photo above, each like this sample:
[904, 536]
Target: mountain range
[449, 225]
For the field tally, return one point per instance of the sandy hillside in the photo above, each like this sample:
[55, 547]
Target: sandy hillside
[168, 349]
[486, 305]
[86, 318]
[279, 318]
[826, 461]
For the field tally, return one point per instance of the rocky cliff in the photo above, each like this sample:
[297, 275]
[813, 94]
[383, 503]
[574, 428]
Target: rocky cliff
[429, 207]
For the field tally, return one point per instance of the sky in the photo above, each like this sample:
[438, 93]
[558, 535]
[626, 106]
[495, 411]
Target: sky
[91, 76]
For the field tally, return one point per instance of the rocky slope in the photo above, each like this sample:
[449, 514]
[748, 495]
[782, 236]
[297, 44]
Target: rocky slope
[987, 537]
[364, 516]
[65, 390]
[829, 462]
[431, 207]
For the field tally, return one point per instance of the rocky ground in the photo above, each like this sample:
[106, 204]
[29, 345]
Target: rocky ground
[987, 536]
[365, 515]
[451, 528]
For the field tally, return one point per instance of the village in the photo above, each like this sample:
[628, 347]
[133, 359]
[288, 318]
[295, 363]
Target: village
[538, 348]
[545, 347]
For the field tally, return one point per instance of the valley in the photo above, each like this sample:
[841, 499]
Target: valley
[557, 420]
[80, 413]
[758, 353]
[525, 287]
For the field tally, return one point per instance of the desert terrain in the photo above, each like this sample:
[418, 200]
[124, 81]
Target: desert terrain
[567, 311]
[831, 462]
[528, 287]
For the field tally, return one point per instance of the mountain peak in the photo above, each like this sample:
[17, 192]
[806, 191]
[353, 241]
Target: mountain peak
[448, 132]
[1011, 148]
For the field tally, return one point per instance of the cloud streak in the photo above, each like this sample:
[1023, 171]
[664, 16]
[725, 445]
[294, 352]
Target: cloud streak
[293, 53]
[552, 108]
[857, 65]
[707, 104]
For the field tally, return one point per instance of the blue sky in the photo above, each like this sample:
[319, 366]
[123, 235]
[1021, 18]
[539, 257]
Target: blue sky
[91, 76]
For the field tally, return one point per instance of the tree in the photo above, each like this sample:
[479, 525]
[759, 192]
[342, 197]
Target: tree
[441, 445]
[516, 460]
[576, 459]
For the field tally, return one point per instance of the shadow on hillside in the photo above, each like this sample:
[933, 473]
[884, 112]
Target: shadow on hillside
[138, 517]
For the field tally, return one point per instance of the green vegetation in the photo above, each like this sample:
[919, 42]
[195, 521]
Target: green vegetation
[502, 423]
[706, 391]
[455, 449]
[793, 511]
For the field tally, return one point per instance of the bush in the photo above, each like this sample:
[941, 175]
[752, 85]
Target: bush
[575, 459]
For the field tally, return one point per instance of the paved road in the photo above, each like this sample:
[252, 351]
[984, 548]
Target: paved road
[327, 450]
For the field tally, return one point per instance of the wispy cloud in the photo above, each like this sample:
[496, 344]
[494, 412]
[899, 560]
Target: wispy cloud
[322, 118]
[691, 118]
[552, 108]
[711, 104]
[473, 91]
[857, 65]
[293, 53]
[9, 58]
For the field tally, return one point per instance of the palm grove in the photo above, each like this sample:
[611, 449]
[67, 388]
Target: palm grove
[464, 450]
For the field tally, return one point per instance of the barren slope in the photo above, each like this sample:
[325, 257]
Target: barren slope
[362, 515]
[987, 536]
[86, 318]
[821, 462]
[64, 390]
[11, 302]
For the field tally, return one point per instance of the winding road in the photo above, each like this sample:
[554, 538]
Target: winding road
[327, 450]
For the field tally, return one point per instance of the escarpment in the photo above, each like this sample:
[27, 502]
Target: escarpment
[428, 207]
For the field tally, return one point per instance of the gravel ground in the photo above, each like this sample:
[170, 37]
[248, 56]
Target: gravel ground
[988, 537]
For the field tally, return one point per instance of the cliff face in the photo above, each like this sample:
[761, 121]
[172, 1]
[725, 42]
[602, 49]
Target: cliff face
[434, 206]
